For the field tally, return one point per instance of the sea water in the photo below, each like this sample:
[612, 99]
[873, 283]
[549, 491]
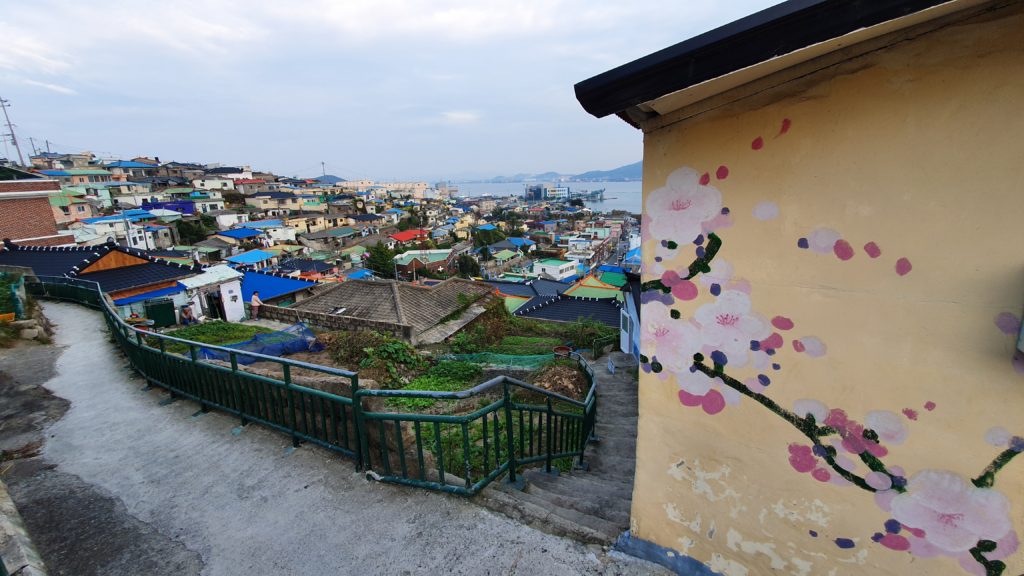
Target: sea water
[618, 195]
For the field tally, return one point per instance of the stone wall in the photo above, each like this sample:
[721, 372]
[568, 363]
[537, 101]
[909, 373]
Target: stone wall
[334, 321]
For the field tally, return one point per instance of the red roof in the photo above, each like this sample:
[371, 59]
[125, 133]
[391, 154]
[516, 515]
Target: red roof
[249, 181]
[408, 235]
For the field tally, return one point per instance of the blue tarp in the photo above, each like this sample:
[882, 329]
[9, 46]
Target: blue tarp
[295, 338]
[148, 295]
[251, 257]
[633, 256]
[609, 268]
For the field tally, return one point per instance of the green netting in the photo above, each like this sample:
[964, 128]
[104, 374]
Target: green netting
[503, 360]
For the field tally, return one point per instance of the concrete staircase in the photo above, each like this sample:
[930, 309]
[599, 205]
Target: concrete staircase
[592, 505]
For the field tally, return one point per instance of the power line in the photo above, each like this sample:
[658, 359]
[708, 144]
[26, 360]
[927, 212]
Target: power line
[14, 139]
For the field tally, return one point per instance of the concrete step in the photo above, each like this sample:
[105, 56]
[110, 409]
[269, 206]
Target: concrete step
[612, 495]
[610, 464]
[584, 483]
[617, 445]
[596, 504]
[616, 430]
[608, 529]
[540, 516]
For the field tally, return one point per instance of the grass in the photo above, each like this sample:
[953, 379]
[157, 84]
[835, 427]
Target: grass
[525, 345]
[217, 332]
[445, 377]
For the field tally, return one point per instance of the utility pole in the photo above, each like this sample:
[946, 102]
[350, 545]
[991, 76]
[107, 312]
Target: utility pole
[47, 146]
[14, 139]
[33, 143]
[323, 168]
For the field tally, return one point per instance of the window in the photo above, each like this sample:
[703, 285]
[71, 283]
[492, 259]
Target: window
[81, 208]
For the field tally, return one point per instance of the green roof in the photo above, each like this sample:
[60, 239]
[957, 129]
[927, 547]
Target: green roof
[179, 190]
[425, 256]
[320, 255]
[555, 262]
[354, 250]
[617, 279]
[513, 303]
[505, 255]
[67, 196]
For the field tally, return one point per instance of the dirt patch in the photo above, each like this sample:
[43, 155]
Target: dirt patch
[27, 406]
[564, 380]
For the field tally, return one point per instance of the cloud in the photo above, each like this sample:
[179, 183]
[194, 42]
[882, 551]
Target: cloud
[52, 87]
[460, 117]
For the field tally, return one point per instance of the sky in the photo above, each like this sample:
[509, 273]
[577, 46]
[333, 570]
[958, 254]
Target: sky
[379, 89]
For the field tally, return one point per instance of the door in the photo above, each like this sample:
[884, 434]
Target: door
[214, 306]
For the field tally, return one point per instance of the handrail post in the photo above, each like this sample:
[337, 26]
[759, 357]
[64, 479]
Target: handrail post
[510, 440]
[291, 402]
[237, 388]
[549, 439]
[362, 445]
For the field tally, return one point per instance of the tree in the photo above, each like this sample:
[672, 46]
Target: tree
[381, 261]
[487, 237]
[191, 232]
[485, 253]
[468, 266]
[576, 202]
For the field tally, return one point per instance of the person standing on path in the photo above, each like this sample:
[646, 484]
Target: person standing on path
[254, 305]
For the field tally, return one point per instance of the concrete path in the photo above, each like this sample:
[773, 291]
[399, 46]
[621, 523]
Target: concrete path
[128, 483]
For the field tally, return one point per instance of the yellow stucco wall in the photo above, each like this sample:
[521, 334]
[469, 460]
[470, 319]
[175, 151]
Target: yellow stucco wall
[918, 148]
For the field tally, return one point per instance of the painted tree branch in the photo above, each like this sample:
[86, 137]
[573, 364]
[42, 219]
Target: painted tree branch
[987, 478]
[807, 426]
[701, 265]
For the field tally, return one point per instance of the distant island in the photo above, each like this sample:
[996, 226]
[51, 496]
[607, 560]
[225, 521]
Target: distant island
[628, 173]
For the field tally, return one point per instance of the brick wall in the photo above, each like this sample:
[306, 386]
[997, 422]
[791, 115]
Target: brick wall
[29, 186]
[335, 322]
[25, 217]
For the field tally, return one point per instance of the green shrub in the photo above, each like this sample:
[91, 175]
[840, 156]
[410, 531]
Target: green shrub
[461, 371]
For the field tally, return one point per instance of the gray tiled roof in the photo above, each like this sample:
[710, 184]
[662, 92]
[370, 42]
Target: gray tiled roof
[396, 302]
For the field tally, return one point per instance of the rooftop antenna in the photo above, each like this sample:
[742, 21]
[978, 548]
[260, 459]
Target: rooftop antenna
[14, 140]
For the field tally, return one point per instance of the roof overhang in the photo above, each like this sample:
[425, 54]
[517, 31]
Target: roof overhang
[760, 45]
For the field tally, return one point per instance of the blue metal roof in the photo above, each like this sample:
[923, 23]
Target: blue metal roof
[521, 241]
[487, 227]
[151, 294]
[130, 215]
[240, 233]
[359, 273]
[270, 286]
[128, 164]
[264, 224]
[251, 257]
[54, 173]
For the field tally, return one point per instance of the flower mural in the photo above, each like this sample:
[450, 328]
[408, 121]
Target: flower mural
[680, 208]
[932, 512]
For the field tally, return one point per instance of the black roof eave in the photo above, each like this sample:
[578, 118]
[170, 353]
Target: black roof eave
[773, 32]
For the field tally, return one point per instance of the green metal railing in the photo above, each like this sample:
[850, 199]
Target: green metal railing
[516, 424]
[519, 424]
